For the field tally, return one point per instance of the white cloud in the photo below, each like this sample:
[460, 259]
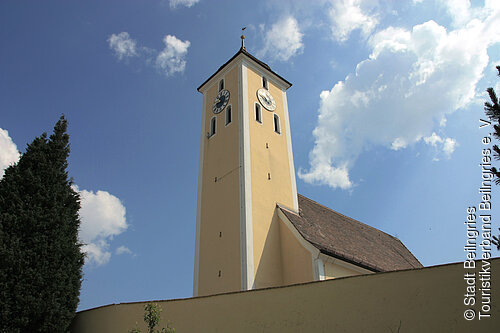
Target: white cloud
[102, 217]
[461, 12]
[396, 97]
[398, 143]
[8, 151]
[283, 40]
[442, 122]
[446, 146]
[123, 250]
[172, 59]
[187, 3]
[349, 15]
[97, 253]
[123, 46]
[449, 146]
[433, 140]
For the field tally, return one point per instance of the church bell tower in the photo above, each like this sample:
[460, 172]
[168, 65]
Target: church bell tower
[246, 168]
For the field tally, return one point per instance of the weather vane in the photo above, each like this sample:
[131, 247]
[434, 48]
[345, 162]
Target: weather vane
[243, 39]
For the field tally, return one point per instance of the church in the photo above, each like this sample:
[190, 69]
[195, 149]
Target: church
[268, 259]
[253, 230]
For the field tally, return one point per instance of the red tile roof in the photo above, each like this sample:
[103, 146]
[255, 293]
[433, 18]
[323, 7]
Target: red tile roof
[344, 238]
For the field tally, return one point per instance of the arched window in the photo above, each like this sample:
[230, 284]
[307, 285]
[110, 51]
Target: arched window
[277, 126]
[229, 114]
[213, 126]
[264, 83]
[258, 113]
[221, 84]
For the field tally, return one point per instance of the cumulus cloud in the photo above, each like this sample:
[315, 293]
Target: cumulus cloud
[173, 57]
[102, 215]
[102, 218]
[123, 46]
[171, 60]
[187, 3]
[97, 253]
[446, 146]
[410, 82]
[449, 146]
[283, 40]
[349, 15]
[123, 250]
[433, 140]
[462, 12]
[8, 151]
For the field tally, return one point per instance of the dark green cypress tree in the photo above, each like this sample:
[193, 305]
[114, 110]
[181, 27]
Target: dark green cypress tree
[40, 257]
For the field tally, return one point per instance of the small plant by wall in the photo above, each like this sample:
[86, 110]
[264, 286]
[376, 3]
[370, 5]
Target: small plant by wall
[152, 319]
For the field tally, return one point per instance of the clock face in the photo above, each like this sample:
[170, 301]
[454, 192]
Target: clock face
[221, 101]
[266, 99]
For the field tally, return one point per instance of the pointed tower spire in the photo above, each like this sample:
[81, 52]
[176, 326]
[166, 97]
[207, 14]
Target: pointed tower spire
[243, 40]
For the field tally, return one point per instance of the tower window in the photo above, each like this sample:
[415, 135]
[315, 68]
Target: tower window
[229, 115]
[221, 84]
[264, 83]
[277, 126]
[258, 113]
[213, 126]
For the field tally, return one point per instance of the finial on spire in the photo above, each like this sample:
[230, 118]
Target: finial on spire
[243, 39]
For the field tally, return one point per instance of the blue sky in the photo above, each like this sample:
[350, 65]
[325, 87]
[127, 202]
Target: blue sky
[384, 112]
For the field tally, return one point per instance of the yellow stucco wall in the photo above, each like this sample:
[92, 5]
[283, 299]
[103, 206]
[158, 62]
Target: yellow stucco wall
[220, 202]
[335, 271]
[423, 300]
[279, 258]
[296, 261]
[269, 156]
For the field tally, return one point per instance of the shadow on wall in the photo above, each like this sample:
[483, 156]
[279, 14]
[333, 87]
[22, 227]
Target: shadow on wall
[269, 271]
[284, 260]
